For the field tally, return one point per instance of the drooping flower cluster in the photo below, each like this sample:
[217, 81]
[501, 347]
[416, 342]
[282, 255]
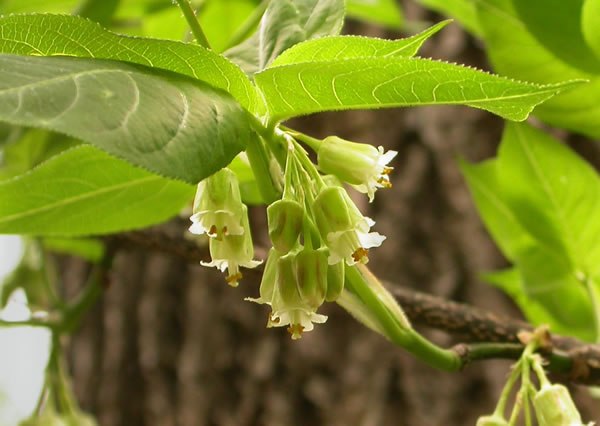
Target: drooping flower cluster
[315, 228]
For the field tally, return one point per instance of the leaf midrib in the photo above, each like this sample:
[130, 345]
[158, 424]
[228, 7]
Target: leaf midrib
[82, 197]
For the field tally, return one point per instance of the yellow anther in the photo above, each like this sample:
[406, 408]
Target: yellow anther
[361, 255]
[233, 279]
[295, 331]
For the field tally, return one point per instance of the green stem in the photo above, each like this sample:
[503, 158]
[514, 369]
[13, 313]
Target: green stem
[313, 143]
[395, 326]
[88, 296]
[192, 21]
[60, 391]
[260, 164]
[510, 383]
[249, 25]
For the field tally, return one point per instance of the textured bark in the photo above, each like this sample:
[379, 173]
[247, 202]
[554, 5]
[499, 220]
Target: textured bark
[171, 344]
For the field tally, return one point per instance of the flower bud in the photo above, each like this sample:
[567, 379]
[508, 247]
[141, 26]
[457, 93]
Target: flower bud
[311, 275]
[554, 407]
[361, 165]
[285, 223]
[342, 226]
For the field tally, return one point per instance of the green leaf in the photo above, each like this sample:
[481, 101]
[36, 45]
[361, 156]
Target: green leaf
[493, 208]
[539, 201]
[100, 11]
[169, 124]
[29, 148]
[350, 47]
[220, 20]
[90, 249]
[553, 193]
[543, 17]
[383, 12]
[84, 191]
[284, 24]
[515, 52]
[511, 282]
[463, 10]
[249, 189]
[54, 6]
[590, 24]
[48, 35]
[368, 83]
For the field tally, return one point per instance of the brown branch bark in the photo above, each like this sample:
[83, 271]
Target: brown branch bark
[483, 335]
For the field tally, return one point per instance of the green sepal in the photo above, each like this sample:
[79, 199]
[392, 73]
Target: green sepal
[285, 219]
[311, 275]
[555, 407]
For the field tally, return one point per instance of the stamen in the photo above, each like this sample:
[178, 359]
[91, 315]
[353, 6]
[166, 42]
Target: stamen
[387, 170]
[360, 255]
[212, 232]
[233, 279]
[272, 320]
[224, 230]
[384, 182]
[295, 330]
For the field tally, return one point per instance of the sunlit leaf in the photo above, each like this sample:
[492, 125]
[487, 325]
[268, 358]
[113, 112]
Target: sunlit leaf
[553, 193]
[497, 215]
[368, 83]
[511, 282]
[84, 191]
[351, 47]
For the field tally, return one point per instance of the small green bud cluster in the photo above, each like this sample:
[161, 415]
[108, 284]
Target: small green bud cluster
[315, 228]
[552, 403]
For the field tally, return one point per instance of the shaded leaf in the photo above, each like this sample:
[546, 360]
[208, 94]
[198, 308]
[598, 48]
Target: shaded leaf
[368, 83]
[284, 24]
[169, 124]
[383, 12]
[84, 191]
[541, 19]
[463, 10]
[515, 52]
[47, 35]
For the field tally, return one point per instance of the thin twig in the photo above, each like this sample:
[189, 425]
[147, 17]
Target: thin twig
[483, 335]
